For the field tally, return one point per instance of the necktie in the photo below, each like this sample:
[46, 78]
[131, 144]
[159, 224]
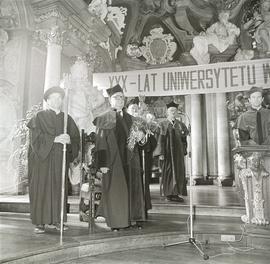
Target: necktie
[259, 128]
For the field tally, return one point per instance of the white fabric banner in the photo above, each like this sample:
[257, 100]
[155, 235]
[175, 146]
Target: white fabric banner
[197, 79]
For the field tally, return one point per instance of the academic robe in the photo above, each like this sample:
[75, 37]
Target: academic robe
[248, 128]
[172, 144]
[122, 191]
[45, 164]
[148, 149]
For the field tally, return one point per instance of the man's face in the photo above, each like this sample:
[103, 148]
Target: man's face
[256, 99]
[117, 101]
[133, 109]
[55, 101]
[171, 113]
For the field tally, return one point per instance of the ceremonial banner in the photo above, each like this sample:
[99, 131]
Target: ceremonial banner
[197, 79]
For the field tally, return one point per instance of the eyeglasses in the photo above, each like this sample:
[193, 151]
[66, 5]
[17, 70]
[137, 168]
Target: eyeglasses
[118, 97]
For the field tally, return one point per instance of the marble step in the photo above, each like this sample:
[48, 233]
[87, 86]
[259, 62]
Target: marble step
[157, 208]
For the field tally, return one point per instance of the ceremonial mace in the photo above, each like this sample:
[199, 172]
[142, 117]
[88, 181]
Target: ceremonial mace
[66, 85]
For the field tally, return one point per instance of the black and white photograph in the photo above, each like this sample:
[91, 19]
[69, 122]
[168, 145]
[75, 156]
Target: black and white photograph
[135, 131]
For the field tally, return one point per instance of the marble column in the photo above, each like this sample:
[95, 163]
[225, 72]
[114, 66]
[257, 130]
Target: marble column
[53, 63]
[196, 139]
[211, 135]
[223, 143]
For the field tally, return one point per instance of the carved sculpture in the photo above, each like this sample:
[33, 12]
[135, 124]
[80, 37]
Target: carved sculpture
[200, 50]
[223, 33]
[262, 33]
[158, 47]
[241, 166]
[86, 101]
[253, 174]
[79, 103]
[243, 55]
[99, 8]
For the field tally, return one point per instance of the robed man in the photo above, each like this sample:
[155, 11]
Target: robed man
[254, 124]
[146, 150]
[122, 201]
[172, 147]
[45, 160]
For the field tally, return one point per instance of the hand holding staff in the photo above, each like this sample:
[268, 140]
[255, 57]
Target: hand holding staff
[64, 139]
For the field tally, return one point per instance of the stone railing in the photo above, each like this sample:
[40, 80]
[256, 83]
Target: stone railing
[252, 165]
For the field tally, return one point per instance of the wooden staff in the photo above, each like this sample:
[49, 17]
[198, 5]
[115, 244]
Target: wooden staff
[66, 80]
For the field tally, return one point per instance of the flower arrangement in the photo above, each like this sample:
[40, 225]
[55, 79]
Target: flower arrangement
[143, 126]
[20, 138]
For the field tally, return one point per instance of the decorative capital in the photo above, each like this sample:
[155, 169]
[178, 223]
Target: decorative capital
[53, 36]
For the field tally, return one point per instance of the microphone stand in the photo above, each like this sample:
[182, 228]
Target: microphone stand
[191, 238]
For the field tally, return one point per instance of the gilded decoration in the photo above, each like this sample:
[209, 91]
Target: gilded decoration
[158, 48]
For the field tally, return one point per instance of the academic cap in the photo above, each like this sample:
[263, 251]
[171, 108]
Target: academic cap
[255, 89]
[172, 104]
[115, 89]
[133, 101]
[54, 89]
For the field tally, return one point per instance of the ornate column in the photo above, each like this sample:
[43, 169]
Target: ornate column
[196, 139]
[53, 64]
[253, 171]
[223, 143]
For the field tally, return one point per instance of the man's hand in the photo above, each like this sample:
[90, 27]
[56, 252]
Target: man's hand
[161, 157]
[104, 170]
[62, 139]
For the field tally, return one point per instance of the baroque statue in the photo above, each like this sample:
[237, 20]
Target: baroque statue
[223, 33]
[200, 50]
[262, 33]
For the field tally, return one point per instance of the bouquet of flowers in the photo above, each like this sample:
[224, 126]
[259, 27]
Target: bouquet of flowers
[20, 138]
[143, 126]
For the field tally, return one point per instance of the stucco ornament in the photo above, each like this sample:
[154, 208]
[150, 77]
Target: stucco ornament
[158, 47]
[200, 50]
[223, 33]
[262, 33]
[99, 8]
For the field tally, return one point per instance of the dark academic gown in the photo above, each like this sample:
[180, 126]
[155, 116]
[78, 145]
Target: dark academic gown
[45, 164]
[172, 144]
[122, 192]
[148, 149]
[248, 127]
